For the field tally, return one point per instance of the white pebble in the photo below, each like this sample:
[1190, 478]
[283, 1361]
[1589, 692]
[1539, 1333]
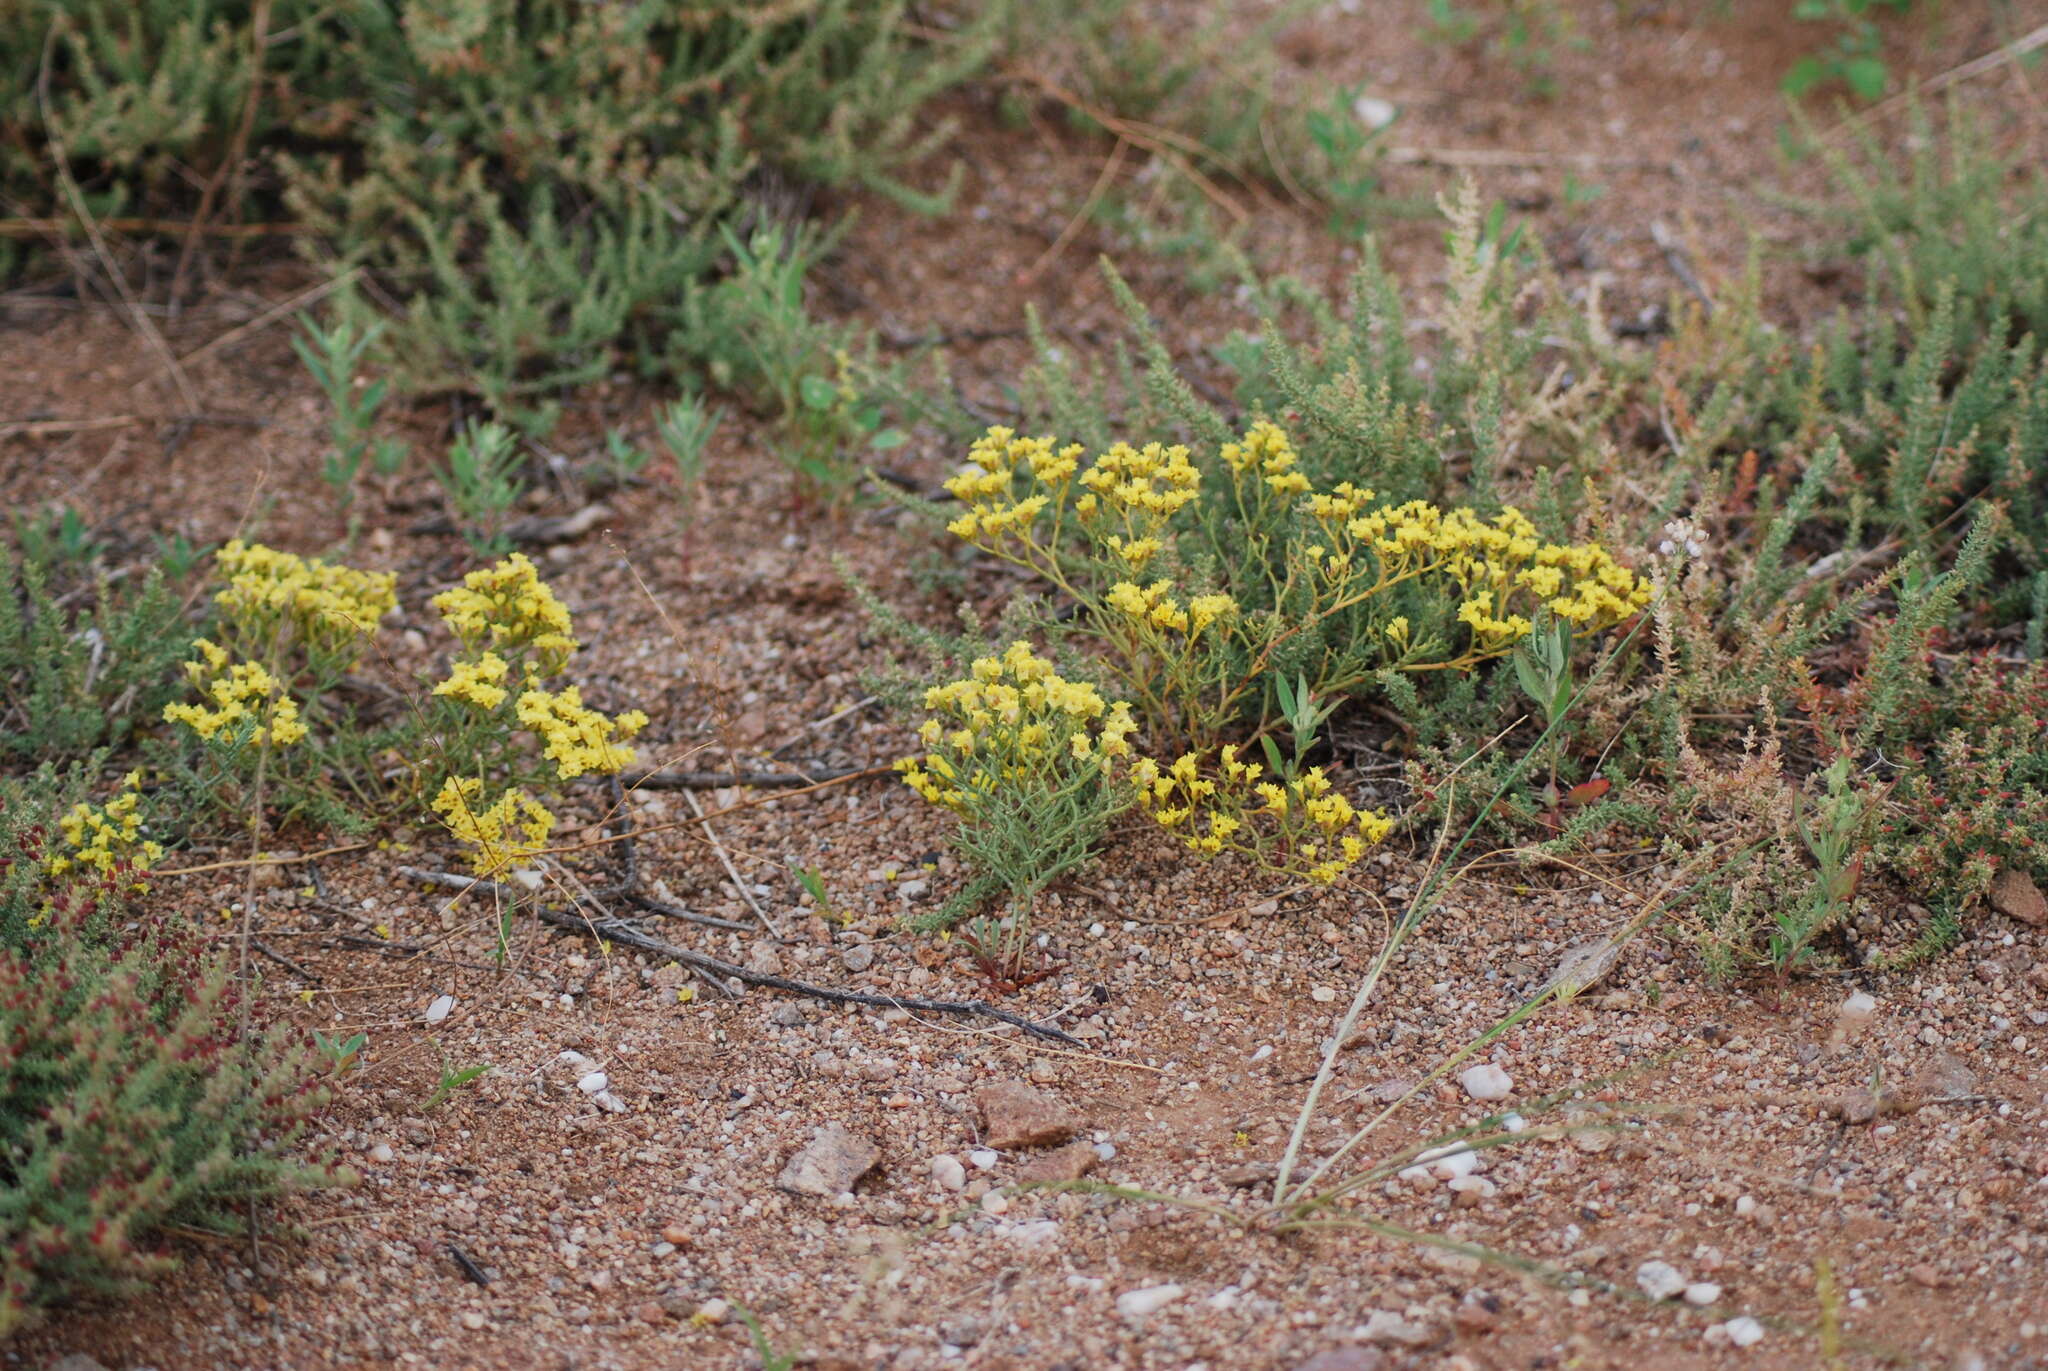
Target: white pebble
[604, 1099]
[1702, 1293]
[593, 1083]
[1744, 1332]
[1859, 1005]
[1745, 1206]
[1485, 1082]
[1105, 1151]
[1037, 1233]
[712, 1311]
[441, 1008]
[1323, 994]
[983, 1159]
[1513, 1123]
[1446, 1163]
[1150, 1299]
[1373, 112]
[948, 1172]
[1659, 1280]
[994, 1202]
[382, 1153]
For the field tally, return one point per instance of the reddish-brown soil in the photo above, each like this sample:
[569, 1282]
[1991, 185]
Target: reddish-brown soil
[1201, 1002]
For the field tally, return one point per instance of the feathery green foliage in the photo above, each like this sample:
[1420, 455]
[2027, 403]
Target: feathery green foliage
[130, 1099]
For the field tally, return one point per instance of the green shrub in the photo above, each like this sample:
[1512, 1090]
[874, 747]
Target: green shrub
[83, 660]
[130, 1098]
[539, 184]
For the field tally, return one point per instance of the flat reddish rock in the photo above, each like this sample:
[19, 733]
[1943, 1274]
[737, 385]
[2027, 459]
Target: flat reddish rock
[1015, 1115]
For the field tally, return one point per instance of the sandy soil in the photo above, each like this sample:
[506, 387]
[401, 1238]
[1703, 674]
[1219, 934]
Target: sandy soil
[1197, 1000]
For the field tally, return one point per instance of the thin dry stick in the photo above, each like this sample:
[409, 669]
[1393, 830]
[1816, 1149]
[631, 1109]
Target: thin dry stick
[272, 860]
[1152, 139]
[1976, 66]
[60, 156]
[270, 316]
[1110, 167]
[1349, 1024]
[731, 871]
[44, 228]
[228, 172]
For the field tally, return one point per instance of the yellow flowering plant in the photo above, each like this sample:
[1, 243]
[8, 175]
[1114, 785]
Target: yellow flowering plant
[1209, 579]
[285, 630]
[1301, 827]
[1031, 763]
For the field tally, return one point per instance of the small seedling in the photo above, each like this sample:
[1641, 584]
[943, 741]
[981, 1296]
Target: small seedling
[813, 882]
[333, 356]
[344, 1056]
[623, 460]
[453, 1080]
[1351, 155]
[764, 1350]
[484, 482]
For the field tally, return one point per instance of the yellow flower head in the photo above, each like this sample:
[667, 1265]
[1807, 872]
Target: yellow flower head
[509, 609]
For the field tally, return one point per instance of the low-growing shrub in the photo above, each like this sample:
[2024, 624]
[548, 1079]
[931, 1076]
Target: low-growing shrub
[131, 1096]
[84, 658]
[539, 186]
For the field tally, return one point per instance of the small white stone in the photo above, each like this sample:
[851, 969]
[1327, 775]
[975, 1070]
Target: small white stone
[1445, 1163]
[1037, 1233]
[1384, 1326]
[593, 1083]
[1702, 1293]
[1485, 1082]
[1744, 1332]
[1659, 1280]
[1373, 112]
[1105, 1151]
[1513, 1123]
[1149, 1299]
[382, 1153]
[1473, 1185]
[526, 877]
[1323, 994]
[472, 1320]
[948, 1172]
[995, 1202]
[577, 1062]
[1859, 1005]
[1745, 1206]
[605, 1100]
[713, 1311]
[983, 1159]
[441, 1008]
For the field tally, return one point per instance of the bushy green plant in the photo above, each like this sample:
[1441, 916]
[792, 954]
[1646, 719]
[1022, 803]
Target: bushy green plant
[540, 186]
[84, 658]
[333, 355]
[131, 1098]
[1853, 55]
[1028, 760]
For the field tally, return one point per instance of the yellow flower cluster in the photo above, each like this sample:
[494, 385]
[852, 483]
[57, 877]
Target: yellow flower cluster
[508, 608]
[238, 692]
[480, 682]
[1154, 605]
[578, 739]
[1304, 826]
[1495, 562]
[508, 831]
[102, 837]
[1128, 496]
[330, 609]
[1267, 451]
[1012, 720]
